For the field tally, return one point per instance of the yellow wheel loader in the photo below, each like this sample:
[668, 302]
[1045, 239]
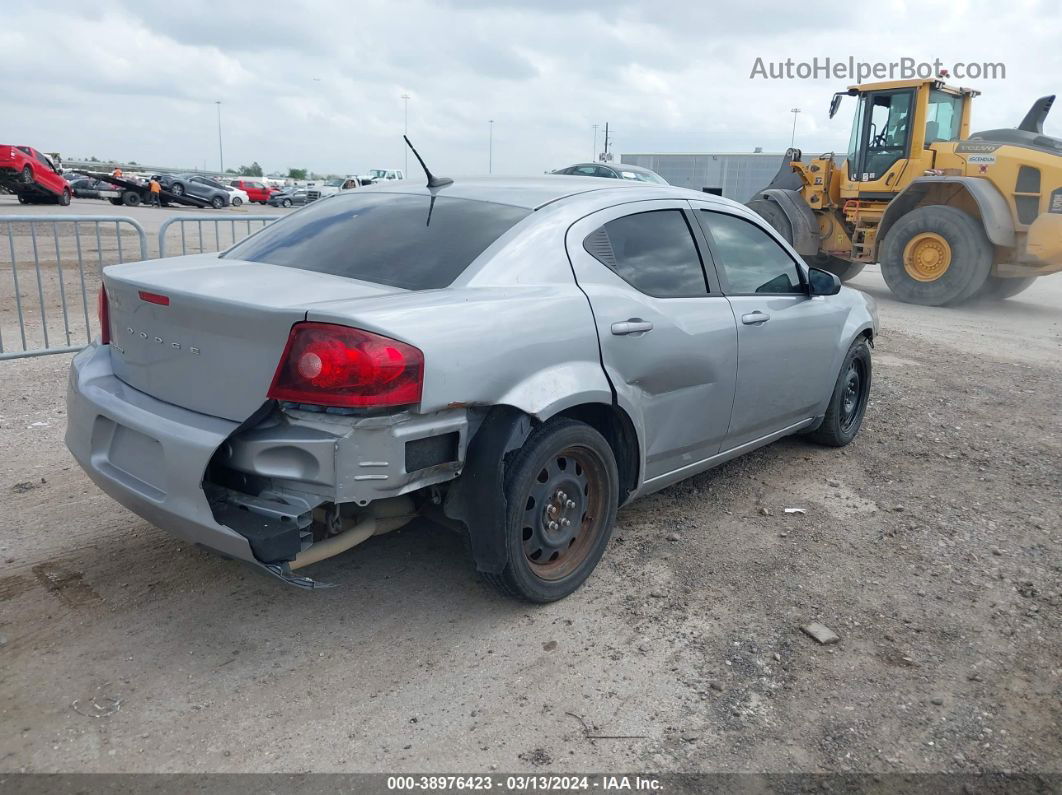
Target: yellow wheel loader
[948, 215]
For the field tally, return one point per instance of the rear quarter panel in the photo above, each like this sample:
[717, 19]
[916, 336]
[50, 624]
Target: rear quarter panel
[514, 329]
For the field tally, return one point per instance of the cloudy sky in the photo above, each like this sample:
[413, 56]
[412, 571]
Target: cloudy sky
[318, 84]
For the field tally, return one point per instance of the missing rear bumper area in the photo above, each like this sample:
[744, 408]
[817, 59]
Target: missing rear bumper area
[302, 486]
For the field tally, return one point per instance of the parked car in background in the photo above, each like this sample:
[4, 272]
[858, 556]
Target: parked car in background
[383, 174]
[290, 197]
[334, 186]
[237, 197]
[195, 185]
[257, 190]
[32, 176]
[343, 369]
[609, 171]
[90, 188]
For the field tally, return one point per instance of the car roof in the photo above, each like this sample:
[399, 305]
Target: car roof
[530, 192]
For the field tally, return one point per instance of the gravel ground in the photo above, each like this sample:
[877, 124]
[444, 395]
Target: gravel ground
[930, 546]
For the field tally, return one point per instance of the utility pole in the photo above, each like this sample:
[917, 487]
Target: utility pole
[490, 156]
[792, 139]
[605, 157]
[594, 155]
[221, 153]
[405, 131]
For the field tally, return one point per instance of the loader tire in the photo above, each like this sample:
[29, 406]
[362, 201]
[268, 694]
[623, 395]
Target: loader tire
[936, 255]
[997, 289]
[774, 215]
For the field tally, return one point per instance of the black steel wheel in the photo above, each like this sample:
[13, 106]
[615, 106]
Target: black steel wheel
[561, 491]
[848, 402]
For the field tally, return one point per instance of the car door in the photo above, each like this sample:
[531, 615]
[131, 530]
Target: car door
[197, 186]
[786, 338]
[667, 335]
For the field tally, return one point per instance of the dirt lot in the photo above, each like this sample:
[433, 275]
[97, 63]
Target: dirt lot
[931, 546]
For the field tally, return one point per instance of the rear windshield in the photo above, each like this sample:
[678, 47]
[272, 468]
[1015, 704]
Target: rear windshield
[402, 240]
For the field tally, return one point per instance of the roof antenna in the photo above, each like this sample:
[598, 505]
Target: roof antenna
[433, 181]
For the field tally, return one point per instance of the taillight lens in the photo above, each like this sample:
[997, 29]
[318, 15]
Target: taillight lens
[330, 365]
[105, 317]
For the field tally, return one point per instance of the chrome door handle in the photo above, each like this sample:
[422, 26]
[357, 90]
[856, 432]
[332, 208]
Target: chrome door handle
[756, 318]
[632, 326]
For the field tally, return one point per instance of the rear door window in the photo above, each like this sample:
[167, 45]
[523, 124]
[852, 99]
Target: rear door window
[411, 241]
[653, 252]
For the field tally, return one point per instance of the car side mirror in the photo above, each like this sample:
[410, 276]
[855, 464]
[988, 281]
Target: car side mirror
[822, 282]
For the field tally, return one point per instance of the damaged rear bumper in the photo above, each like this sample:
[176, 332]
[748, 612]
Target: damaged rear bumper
[247, 493]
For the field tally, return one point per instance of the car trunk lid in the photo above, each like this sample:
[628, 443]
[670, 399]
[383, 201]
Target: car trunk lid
[207, 333]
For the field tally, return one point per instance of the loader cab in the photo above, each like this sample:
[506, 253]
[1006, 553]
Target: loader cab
[893, 128]
[881, 134]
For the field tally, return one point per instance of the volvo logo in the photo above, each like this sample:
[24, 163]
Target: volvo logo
[177, 346]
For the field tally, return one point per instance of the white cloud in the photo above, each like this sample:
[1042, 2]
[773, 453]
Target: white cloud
[318, 84]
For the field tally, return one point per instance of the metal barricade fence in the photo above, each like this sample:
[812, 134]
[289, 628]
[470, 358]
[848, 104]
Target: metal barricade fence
[212, 239]
[51, 265]
[45, 304]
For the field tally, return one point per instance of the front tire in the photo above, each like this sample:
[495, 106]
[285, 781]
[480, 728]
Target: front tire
[177, 189]
[236, 201]
[848, 403]
[286, 203]
[63, 199]
[562, 494]
[217, 202]
[843, 269]
[936, 255]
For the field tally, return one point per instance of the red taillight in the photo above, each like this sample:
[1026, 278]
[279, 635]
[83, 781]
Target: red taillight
[154, 298]
[329, 365]
[105, 317]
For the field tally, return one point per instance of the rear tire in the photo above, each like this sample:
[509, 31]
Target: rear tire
[848, 403]
[997, 289]
[562, 494]
[27, 175]
[236, 201]
[936, 255]
[23, 199]
[131, 198]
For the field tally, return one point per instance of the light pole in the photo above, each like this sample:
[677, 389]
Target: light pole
[221, 152]
[490, 154]
[405, 131]
[593, 156]
[792, 139]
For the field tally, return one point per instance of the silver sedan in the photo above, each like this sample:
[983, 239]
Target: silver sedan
[515, 358]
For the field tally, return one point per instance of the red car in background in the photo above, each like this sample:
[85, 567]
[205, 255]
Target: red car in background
[256, 190]
[32, 176]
